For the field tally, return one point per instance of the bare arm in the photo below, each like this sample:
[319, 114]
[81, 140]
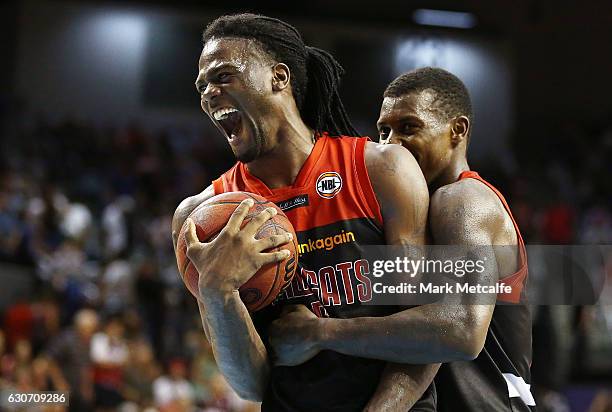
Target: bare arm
[224, 264]
[401, 384]
[435, 332]
[185, 208]
[237, 347]
[181, 213]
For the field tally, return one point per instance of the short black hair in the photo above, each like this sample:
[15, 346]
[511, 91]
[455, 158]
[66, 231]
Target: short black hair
[451, 93]
[315, 74]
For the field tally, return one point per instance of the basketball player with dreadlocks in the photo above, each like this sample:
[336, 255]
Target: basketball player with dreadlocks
[276, 101]
[429, 112]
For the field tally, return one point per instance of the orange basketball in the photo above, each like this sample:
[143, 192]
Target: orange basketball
[211, 216]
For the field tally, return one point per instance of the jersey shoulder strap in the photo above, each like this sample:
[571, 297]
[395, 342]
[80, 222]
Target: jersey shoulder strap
[516, 280]
[231, 181]
[218, 185]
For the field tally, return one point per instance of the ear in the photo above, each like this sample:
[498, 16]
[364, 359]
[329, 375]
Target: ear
[460, 128]
[281, 77]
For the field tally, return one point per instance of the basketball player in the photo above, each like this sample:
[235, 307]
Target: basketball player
[428, 111]
[276, 101]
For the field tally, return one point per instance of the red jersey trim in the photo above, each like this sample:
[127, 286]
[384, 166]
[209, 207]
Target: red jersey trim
[365, 185]
[218, 185]
[301, 179]
[517, 279]
[343, 154]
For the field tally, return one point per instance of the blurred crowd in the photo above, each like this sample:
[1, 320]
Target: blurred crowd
[85, 216]
[85, 222]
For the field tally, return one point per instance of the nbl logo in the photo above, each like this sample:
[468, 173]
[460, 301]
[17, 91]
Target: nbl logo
[329, 184]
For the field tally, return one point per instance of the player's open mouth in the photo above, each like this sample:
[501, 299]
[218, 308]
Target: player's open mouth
[230, 120]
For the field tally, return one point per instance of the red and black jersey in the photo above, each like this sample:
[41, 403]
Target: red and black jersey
[499, 378]
[334, 211]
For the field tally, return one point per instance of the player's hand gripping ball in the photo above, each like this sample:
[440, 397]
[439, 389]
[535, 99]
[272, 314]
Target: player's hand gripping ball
[249, 246]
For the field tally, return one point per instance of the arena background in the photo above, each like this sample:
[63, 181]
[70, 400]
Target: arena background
[102, 136]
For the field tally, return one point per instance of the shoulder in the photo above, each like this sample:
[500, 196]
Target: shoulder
[397, 180]
[392, 162]
[464, 207]
[468, 195]
[98, 341]
[187, 206]
[383, 154]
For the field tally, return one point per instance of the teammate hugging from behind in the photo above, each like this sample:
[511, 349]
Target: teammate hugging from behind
[429, 112]
[276, 102]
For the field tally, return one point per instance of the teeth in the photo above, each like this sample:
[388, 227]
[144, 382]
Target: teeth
[223, 112]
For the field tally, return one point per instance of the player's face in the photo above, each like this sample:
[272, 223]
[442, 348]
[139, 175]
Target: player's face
[234, 82]
[414, 121]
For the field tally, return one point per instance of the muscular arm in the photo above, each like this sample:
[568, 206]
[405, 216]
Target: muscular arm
[401, 384]
[434, 332]
[238, 349]
[185, 208]
[181, 213]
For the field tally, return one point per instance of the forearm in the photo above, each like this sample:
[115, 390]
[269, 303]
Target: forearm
[424, 334]
[401, 386]
[239, 351]
[224, 263]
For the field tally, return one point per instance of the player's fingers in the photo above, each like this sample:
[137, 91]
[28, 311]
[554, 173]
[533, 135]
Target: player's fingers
[237, 217]
[256, 222]
[191, 238]
[273, 257]
[274, 241]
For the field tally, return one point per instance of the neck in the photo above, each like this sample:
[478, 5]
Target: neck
[280, 166]
[450, 174]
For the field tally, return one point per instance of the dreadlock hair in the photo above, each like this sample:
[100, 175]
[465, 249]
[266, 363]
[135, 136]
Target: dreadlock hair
[451, 93]
[315, 74]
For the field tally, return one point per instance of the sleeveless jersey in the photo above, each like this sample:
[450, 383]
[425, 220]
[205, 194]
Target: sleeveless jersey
[334, 212]
[498, 379]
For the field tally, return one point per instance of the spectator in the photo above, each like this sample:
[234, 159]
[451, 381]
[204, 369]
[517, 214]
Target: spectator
[69, 352]
[18, 323]
[4, 362]
[46, 376]
[109, 354]
[172, 392]
[23, 353]
[117, 284]
[115, 226]
[141, 372]
[596, 226]
[203, 369]
[224, 399]
[13, 233]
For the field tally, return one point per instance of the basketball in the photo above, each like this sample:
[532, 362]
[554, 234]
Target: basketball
[211, 217]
